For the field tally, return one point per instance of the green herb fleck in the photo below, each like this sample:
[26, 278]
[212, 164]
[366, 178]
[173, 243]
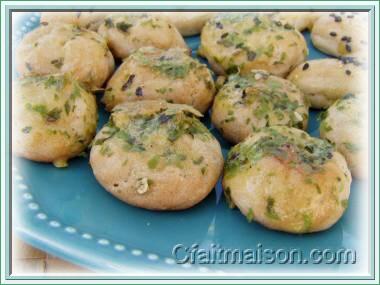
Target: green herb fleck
[153, 162]
[250, 215]
[270, 212]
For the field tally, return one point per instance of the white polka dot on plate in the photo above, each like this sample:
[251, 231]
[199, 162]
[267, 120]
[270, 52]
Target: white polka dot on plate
[136, 252]
[169, 261]
[55, 224]
[119, 247]
[86, 236]
[33, 206]
[152, 256]
[27, 196]
[186, 265]
[41, 216]
[18, 177]
[22, 186]
[70, 230]
[103, 241]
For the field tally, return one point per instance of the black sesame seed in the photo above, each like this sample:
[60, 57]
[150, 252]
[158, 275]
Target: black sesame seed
[244, 94]
[219, 25]
[257, 21]
[338, 19]
[288, 26]
[237, 86]
[224, 35]
[348, 48]
[251, 55]
[139, 91]
[305, 66]
[348, 72]
[128, 83]
[278, 23]
[163, 118]
[333, 34]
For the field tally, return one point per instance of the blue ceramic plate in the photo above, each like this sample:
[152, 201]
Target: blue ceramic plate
[67, 213]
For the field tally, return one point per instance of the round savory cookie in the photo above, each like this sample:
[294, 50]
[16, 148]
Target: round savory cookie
[54, 118]
[344, 124]
[156, 155]
[325, 80]
[286, 180]
[172, 75]
[187, 23]
[125, 34]
[65, 48]
[341, 34]
[248, 103]
[234, 42]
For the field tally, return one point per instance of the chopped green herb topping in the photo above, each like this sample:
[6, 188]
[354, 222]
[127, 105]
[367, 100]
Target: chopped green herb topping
[296, 151]
[250, 215]
[173, 65]
[307, 222]
[270, 212]
[123, 26]
[227, 195]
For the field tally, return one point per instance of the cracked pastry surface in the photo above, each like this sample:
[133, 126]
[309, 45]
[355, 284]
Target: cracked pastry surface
[65, 48]
[156, 155]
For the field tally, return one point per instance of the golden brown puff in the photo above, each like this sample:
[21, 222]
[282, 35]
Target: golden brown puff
[234, 42]
[152, 73]
[325, 80]
[187, 23]
[156, 155]
[247, 103]
[53, 49]
[125, 34]
[286, 180]
[341, 34]
[344, 124]
[54, 118]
